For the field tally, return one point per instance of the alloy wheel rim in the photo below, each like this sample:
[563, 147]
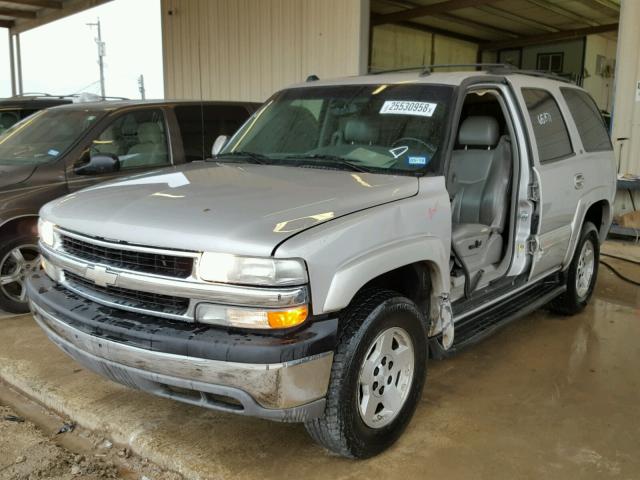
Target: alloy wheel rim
[15, 266]
[586, 267]
[385, 378]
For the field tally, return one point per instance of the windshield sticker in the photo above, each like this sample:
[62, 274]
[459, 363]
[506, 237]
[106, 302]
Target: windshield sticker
[53, 153]
[417, 160]
[402, 107]
[398, 151]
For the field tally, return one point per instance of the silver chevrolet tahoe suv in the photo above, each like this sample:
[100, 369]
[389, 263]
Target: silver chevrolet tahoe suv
[349, 231]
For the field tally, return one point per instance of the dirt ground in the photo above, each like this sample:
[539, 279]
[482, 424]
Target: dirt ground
[29, 451]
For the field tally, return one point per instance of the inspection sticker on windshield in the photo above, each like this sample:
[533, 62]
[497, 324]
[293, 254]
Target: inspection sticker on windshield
[417, 160]
[53, 153]
[402, 107]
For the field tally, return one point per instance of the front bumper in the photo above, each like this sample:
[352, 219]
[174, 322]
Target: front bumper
[292, 390]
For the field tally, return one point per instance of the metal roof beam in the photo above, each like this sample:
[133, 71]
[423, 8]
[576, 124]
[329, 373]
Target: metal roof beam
[609, 4]
[429, 10]
[480, 26]
[57, 4]
[15, 13]
[6, 24]
[549, 37]
[517, 18]
[563, 11]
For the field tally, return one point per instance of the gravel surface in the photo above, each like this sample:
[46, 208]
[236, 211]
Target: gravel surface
[28, 452]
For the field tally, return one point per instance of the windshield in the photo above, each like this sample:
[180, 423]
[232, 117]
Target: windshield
[376, 128]
[43, 136]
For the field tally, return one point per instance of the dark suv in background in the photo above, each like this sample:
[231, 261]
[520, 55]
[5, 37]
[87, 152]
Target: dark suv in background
[64, 149]
[19, 107]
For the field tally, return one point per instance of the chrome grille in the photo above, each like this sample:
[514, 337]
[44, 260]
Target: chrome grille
[146, 262]
[166, 304]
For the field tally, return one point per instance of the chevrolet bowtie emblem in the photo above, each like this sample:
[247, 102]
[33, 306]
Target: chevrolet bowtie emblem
[101, 276]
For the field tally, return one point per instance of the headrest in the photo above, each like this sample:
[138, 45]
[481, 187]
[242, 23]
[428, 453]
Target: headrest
[360, 131]
[149, 132]
[479, 130]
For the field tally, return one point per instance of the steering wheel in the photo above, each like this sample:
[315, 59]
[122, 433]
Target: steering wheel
[411, 139]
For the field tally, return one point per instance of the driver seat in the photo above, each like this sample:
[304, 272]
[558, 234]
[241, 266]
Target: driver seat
[481, 181]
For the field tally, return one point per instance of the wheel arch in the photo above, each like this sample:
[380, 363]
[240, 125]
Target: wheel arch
[410, 268]
[19, 225]
[598, 212]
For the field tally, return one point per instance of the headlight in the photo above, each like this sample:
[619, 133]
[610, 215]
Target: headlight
[273, 272]
[45, 232]
[250, 317]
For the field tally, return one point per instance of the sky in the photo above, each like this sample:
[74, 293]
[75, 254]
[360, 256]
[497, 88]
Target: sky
[62, 57]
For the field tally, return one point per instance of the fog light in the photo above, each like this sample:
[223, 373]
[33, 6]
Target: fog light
[249, 317]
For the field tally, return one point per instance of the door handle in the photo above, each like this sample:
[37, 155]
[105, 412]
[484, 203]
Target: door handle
[578, 181]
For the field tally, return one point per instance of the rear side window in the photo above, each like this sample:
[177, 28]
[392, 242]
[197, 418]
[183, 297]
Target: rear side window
[549, 128]
[200, 125]
[588, 120]
[190, 121]
[221, 120]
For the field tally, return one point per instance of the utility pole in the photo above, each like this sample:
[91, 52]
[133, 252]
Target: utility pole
[101, 55]
[141, 86]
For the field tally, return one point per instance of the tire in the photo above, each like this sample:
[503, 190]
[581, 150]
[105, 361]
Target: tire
[13, 271]
[580, 289]
[373, 316]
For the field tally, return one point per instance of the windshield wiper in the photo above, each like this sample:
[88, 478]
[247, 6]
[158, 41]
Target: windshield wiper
[251, 156]
[333, 161]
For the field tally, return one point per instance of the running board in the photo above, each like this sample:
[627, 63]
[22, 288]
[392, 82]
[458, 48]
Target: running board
[480, 325]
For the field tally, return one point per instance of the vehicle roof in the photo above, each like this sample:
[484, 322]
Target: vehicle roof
[32, 102]
[436, 78]
[110, 105]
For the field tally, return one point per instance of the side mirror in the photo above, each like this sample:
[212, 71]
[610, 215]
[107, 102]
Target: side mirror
[218, 144]
[99, 163]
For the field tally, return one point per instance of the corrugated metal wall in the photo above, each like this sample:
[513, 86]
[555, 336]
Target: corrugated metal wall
[395, 46]
[248, 49]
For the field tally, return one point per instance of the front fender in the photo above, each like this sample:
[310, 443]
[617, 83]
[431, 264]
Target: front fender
[344, 254]
[353, 275]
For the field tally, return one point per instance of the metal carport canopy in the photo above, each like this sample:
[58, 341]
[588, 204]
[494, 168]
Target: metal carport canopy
[18, 16]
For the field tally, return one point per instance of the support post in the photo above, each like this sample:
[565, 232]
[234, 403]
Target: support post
[12, 68]
[19, 64]
[626, 110]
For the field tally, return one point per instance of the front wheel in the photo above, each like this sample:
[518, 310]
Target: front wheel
[377, 377]
[19, 257]
[582, 273]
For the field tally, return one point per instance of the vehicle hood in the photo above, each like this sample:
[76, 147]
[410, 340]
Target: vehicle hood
[235, 208]
[11, 175]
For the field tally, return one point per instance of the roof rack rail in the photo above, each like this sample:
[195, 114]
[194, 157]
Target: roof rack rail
[428, 69]
[533, 73]
[494, 68]
[37, 95]
[396, 70]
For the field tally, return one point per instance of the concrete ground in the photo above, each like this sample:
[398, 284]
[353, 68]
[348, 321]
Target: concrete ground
[547, 397]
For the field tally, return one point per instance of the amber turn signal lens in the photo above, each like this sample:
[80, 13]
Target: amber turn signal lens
[287, 318]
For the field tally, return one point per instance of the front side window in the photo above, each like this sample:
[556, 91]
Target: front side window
[138, 139]
[44, 136]
[588, 120]
[549, 128]
[377, 128]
